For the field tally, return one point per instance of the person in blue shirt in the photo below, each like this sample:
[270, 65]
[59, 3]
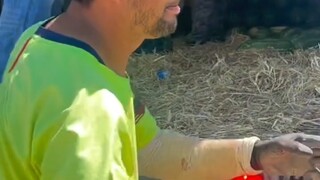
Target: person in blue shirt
[17, 16]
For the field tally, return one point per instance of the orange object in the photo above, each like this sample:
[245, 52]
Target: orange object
[256, 177]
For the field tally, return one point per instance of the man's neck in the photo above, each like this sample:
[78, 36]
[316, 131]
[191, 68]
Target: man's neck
[112, 39]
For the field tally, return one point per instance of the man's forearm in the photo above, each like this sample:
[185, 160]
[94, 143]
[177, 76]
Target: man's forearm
[172, 156]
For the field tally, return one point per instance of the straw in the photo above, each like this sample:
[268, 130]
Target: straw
[217, 91]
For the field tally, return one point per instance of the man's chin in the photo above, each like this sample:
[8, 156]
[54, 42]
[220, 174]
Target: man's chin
[168, 31]
[160, 35]
[162, 29]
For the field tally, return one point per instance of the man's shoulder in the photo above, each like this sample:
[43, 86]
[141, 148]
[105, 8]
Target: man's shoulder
[40, 58]
[48, 65]
[46, 61]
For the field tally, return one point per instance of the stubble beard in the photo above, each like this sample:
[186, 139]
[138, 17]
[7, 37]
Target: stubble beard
[161, 28]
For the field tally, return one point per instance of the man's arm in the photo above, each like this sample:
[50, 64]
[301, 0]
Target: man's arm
[164, 154]
[175, 156]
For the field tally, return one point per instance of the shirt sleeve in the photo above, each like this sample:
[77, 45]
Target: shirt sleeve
[146, 125]
[89, 140]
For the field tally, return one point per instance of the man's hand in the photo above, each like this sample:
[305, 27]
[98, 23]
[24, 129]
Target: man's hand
[288, 155]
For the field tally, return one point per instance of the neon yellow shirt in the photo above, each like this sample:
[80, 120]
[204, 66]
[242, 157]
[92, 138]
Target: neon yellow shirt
[65, 115]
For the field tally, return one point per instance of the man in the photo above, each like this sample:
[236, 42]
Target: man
[68, 112]
[17, 16]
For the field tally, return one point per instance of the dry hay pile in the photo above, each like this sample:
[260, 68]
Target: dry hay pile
[215, 91]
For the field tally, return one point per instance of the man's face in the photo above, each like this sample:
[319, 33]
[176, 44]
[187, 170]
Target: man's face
[156, 18]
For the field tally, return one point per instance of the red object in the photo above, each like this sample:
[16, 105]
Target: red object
[256, 177]
[20, 53]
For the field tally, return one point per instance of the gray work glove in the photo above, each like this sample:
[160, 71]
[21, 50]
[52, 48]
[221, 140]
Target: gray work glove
[295, 154]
